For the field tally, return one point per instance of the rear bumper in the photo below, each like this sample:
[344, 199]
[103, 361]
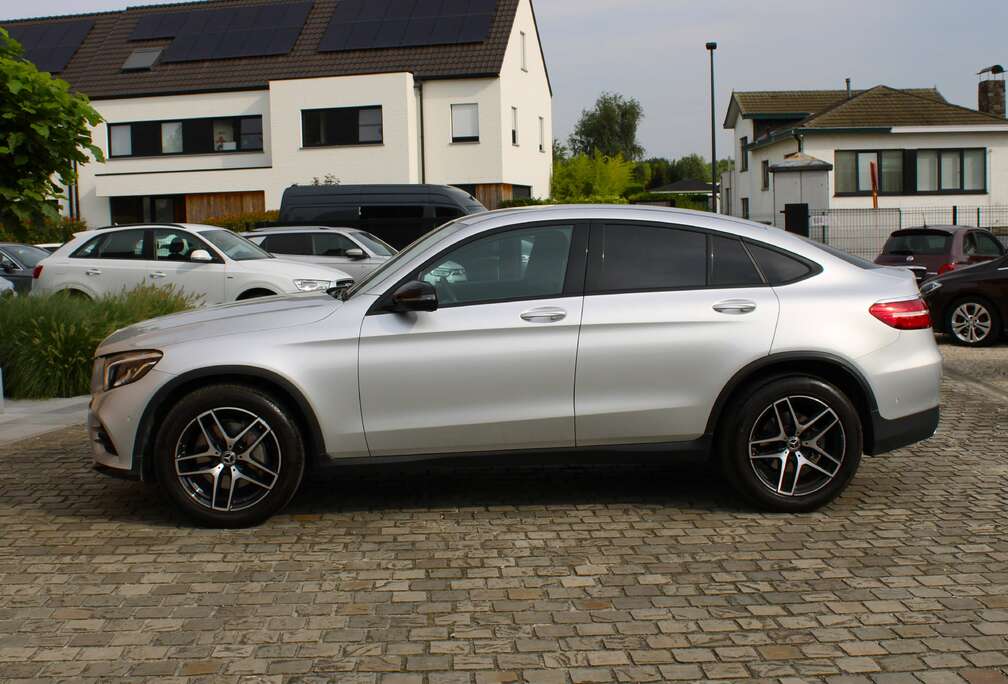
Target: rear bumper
[900, 432]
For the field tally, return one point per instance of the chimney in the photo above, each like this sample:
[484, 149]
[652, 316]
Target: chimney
[991, 91]
[847, 81]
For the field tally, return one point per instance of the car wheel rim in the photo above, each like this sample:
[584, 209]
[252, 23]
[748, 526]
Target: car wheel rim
[228, 459]
[971, 322]
[797, 446]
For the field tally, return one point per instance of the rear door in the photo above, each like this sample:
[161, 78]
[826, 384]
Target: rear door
[670, 314]
[290, 246]
[173, 266]
[111, 263]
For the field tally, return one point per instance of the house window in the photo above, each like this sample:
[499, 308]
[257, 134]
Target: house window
[745, 207]
[465, 123]
[514, 125]
[524, 52]
[342, 126]
[853, 171]
[542, 134]
[765, 168]
[743, 154]
[185, 136]
[909, 172]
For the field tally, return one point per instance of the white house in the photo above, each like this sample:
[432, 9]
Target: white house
[216, 107]
[925, 151]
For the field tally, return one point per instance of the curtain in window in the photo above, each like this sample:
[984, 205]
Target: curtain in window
[171, 137]
[891, 171]
[121, 141]
[864, 162]
[927, 171]
[950, 179]
[845, 174]
[974, 170]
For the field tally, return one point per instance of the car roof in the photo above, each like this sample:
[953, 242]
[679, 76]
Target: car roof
[299, 229]
[945, 230]
[191, 227]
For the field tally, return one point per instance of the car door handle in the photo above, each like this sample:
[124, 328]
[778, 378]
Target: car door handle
[158, 274]
[545, 314]
[92, 272]
[735, 306]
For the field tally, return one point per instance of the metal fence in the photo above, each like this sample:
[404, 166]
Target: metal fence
[862, 232]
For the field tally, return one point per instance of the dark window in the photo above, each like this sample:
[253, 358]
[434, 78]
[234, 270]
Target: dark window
[642, 257]
[987, 246]
[186, 136]
[122, 244]
[778, 268]
[176, 245]
[743, 154]
[333, 245]
[447, 212]
[341, 126]
[765, 167]
[289, 243]
[391, 211]
[745, 207]
[521, 192]
[918, 243]
[908, 172]
[731, 265]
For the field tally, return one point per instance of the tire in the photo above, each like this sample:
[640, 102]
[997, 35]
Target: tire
[752, 450]
[263, 446]
[973, 322]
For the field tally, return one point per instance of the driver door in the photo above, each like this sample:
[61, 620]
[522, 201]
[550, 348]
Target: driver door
[172, 249]
[492, 369]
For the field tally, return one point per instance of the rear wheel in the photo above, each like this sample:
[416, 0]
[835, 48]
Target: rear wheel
[229, 455]
[791, 444]
[974, 322]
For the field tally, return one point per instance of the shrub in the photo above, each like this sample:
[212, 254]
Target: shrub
[48, 231]
[249, 220]
[697, 202]
[586, 176]
[47, 342]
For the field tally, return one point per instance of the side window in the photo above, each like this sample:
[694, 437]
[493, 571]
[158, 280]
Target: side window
[290, 243]
[447, 212]
[391, 211]
[332, 245]
[122, 244]
[6, 262]
[778, 268]
[176, 245]
[969, 244]
[90, 248]
[644, 257]
[525, 263]
[731, 265]
[987, 246]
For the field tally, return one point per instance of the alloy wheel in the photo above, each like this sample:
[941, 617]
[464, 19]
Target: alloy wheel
[971, 322]
[797, 446]
[228, 459]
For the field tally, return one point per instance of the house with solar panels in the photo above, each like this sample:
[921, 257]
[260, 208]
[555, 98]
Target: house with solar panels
[216, 107]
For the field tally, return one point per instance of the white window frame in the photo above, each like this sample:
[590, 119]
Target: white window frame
[542, 134]
[464, 139]
[524, 52]
[514, 126]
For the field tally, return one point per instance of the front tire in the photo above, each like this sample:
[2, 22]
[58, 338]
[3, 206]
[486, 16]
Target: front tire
[229, 455]
[973, 322]
[791, 444]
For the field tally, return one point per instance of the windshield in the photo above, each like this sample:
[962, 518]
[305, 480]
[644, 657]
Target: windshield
[374, 243]
[918, 243]
[235, 246]
[418, 245]
[26, 255]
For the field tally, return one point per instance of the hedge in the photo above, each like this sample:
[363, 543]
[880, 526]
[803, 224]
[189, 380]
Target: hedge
[241, 223]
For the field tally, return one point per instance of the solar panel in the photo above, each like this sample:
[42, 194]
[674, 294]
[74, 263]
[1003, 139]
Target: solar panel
[225, 33]
[362, 25]
[50, 46]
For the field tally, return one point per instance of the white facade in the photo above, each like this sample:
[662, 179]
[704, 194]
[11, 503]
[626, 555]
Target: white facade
[416, 141]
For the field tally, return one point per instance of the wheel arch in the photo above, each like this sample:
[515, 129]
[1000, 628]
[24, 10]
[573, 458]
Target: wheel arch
[162, 401]
[255, 291]
[828, 367]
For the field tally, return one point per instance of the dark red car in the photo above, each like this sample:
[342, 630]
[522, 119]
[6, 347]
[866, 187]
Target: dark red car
[934, 250]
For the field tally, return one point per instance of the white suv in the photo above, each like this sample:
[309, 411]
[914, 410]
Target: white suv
[348, 249]
[208, 261]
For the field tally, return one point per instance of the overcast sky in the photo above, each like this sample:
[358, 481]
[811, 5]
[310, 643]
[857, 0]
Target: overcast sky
[654, 50]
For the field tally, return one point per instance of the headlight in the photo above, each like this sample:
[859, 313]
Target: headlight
[305, 285]
[929, 287]
[122, 369]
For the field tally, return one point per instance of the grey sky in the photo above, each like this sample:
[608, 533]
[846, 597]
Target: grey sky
[654, 50]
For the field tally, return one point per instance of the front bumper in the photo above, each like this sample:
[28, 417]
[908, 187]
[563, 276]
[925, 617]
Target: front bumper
[888, 435]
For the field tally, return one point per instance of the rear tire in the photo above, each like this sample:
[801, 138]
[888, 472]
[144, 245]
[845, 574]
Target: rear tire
[973, 322]
[790, 444]
[229, 455]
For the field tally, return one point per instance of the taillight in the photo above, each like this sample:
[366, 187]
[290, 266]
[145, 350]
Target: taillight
[910, 314]
[37, 272]
[945, 268]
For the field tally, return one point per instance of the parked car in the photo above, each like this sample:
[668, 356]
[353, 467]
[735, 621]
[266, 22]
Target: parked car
[934, 250]
[17, 263]
[398, 214]
[205, 260]
[971, 304]
[353, 251]
[7, 290]
[690, 332]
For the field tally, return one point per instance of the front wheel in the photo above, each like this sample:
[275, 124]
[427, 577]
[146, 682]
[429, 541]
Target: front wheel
[229, 455]
[973, 322]
[791, 444]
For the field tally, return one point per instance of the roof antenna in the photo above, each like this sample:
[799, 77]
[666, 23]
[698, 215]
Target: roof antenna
[847, 81]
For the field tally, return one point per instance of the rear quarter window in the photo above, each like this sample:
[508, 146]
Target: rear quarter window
[778, 267]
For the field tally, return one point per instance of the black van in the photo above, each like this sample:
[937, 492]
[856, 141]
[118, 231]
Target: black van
[398, 214]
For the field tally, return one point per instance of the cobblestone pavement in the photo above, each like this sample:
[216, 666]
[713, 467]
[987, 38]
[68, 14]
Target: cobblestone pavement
[549, 574]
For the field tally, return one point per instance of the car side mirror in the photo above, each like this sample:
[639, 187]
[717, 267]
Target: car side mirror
[201, 256]
[415, 295]
[354, 253]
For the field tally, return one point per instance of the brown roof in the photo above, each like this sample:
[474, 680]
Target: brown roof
[95, 68]
[798, 103]
[883, 107]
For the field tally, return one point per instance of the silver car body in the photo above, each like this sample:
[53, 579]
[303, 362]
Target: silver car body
[6, 288]
[357, 268]
[634, 368]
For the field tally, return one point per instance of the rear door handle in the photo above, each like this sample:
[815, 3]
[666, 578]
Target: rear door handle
[92, 272]
[735, 306]
[544, 314]
[158, 274]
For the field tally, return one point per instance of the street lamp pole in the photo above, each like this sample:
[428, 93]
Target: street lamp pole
[711, 47]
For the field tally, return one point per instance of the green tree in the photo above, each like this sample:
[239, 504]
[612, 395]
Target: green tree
[609, 128]
[560, 152]
[596, 176]
[663, 172]
[44, 131]
[693, 167]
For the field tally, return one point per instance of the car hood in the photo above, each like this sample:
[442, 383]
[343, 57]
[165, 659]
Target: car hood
[293, 269]
[267, 313]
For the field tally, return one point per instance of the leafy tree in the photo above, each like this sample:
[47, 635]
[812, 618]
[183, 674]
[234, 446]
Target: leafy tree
[584, 176]
[44, 130]
[663, 172]
[610, 128]
[693, 167]
[560, 152]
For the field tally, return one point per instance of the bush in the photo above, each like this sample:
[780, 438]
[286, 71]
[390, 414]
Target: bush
[595, 176]
[241, 223]
[47, 342]
[697, 202]
[50, 231]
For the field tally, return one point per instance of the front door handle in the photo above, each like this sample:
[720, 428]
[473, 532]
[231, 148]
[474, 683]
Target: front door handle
[544, 314]
[158, 274]
[735, 306]
[93, 272]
